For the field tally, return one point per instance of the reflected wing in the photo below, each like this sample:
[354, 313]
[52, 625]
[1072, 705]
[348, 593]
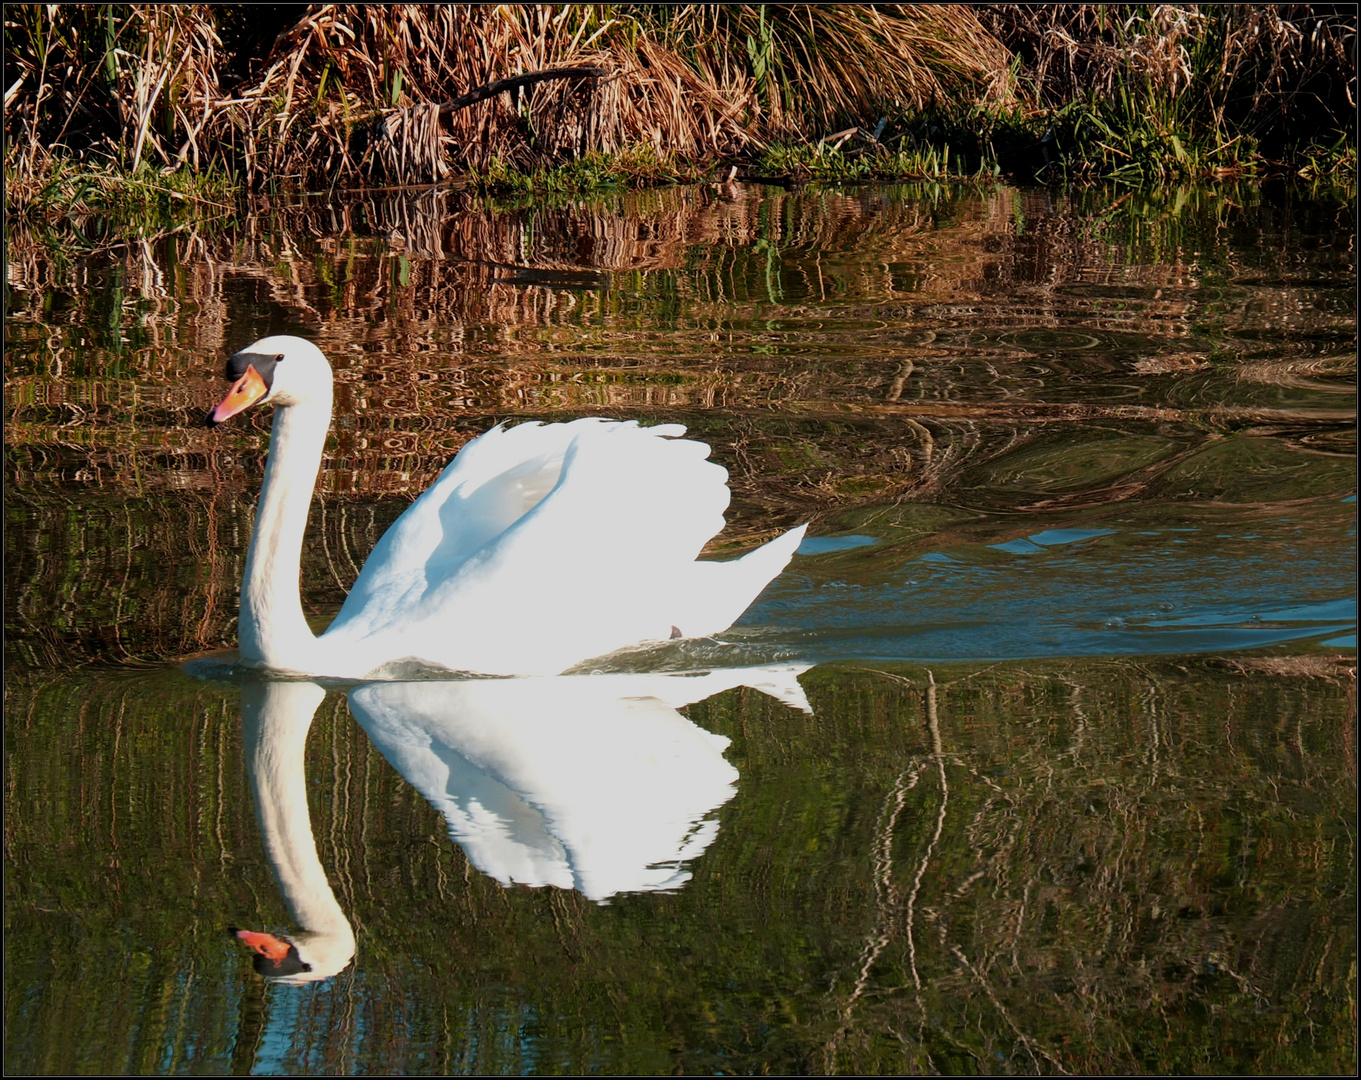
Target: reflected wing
[568, 781]
[780, 681]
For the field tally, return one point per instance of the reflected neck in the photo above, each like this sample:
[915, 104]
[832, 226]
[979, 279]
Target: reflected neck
[272, 628]
[277, 717]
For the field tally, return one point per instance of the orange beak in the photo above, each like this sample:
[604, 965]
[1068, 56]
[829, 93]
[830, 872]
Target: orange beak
[265, 944]
[246, 391]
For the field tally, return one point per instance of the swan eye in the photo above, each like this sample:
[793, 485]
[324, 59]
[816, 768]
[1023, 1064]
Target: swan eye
[263, 363]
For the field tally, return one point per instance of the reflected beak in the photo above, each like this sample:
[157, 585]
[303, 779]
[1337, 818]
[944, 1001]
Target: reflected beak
[275, 948]
[246, 391]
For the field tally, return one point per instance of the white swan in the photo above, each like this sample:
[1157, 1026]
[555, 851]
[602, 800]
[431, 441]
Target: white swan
[540, 546]
[275, 718]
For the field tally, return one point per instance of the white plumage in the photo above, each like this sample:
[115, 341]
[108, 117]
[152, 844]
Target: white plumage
[594, 783]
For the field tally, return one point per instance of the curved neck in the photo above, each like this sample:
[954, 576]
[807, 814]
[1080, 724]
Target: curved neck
[276, 717]
[272, 628]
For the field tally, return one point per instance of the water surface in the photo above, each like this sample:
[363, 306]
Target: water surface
[1058, 775]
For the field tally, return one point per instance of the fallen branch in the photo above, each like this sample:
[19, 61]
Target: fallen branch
[500, 86]
[407, 140]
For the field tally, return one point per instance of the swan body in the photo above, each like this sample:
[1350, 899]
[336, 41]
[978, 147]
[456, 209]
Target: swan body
[539, 546]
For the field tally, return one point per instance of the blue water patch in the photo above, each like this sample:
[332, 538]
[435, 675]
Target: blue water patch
[1331, 611]
[1049, 538]
[820, 545]
[1136, 592]
[1053, 537]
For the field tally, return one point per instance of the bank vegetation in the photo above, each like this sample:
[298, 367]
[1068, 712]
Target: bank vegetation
[108, 106]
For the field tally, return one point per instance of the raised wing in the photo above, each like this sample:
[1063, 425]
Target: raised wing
[539, 547]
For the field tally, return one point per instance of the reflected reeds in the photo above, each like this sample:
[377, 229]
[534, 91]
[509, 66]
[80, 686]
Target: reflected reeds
[680, 300]
[841, 351]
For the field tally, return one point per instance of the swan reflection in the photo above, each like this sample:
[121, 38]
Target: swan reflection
[275, 718]
[592, 782]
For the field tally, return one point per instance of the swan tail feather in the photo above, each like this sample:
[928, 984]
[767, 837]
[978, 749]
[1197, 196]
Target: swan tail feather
[726, 589]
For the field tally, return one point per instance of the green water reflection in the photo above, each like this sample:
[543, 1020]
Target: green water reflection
[1095, 867]
[1078, 788]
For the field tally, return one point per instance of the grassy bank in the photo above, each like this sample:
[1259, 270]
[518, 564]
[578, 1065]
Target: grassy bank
[104, 104]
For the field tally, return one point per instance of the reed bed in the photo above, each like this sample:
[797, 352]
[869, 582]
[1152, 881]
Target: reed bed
[364, 92]
[1153, 92]
[114, 105]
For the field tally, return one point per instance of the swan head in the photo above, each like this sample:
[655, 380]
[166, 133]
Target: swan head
[281, 370]
[296, 960]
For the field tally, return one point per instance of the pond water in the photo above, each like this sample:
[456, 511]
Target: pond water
[1040, 757]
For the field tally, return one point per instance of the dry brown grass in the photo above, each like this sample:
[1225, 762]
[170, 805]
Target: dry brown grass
[145, 89]
[352, 91]
[697, 82]
[408, 60]
[347, 94]
[819, 67]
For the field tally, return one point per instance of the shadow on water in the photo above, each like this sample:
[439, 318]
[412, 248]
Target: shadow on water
[1041, 438]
